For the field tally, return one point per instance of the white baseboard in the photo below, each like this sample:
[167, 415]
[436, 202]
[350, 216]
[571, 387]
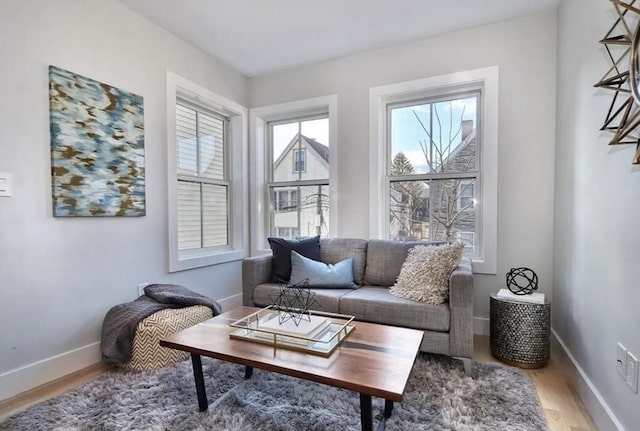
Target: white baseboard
[230, 302]
[28, 377]
[24, 378]
[481, 325]
[593, 401]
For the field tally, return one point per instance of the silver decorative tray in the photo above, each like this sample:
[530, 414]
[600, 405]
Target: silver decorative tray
[262, 327]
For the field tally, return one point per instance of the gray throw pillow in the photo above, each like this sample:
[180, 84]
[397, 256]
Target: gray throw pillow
[321, 274]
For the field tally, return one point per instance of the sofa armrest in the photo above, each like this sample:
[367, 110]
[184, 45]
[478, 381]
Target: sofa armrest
[255, 270]
[461, 307]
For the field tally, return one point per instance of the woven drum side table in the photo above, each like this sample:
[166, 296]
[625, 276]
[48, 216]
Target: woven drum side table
[519, 332]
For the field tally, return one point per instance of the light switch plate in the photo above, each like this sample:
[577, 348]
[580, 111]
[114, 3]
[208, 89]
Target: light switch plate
[5, 184]
[621, 364]
[632, 372]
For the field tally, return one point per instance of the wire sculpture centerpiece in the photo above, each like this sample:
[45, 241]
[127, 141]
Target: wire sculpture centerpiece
[294, 302]
[522, 281]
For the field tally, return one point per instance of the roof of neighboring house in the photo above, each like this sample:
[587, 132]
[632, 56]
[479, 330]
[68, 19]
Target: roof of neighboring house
[468, 136]
[320, 149]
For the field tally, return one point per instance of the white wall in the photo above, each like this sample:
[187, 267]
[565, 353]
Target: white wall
[597, 204]
[59, 276]
[525, 51]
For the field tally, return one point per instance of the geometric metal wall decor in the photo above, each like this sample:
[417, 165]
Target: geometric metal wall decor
[623, 76]
[97, 147]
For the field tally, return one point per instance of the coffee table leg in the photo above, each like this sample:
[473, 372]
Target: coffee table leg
[388, 407]
[248, 372]
[366, 417]
[196, 361]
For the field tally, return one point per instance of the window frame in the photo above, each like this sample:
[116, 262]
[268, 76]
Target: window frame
[303, 161]
[236, 165]
[472, 176]
[294, 185]
[474, 197]
[460, 234]
[289, 193]
[292, 231]
[486, 81]
[203, 180]
[260, 158]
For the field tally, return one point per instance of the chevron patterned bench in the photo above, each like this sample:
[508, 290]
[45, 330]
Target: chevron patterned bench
[146, 351]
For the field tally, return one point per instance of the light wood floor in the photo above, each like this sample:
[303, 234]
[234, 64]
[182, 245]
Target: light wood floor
[562, 407]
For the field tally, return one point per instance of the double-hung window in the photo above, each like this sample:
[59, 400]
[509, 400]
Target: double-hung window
[433, 162]
[292, 160]
[298, 171]
[433, 167]
[203, 182]
[206, 159]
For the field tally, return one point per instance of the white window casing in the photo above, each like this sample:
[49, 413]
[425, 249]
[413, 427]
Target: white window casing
[222, 182]
[486, 81]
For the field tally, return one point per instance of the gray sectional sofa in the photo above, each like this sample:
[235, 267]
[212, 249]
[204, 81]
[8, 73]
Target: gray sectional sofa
[448, 328]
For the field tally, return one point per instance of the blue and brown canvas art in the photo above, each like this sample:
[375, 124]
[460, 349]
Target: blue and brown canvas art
[97, 147]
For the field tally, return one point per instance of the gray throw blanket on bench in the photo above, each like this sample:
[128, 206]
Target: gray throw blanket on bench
[121, 321]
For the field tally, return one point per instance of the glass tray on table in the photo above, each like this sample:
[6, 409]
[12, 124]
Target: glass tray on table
[319, 335]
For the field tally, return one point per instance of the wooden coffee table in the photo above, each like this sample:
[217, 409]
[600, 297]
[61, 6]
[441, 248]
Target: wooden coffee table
[374, 360]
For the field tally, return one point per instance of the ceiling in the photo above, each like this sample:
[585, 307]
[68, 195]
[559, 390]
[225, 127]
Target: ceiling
[261, 36]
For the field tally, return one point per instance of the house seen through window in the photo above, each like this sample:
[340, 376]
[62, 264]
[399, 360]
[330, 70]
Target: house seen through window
[298, 186]
[433, 168]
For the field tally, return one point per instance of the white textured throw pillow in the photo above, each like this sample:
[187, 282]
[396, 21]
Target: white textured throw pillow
[425, 273]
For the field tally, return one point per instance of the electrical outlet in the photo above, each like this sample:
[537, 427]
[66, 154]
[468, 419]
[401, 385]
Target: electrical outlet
[5, 184]
[621, 363]
[632, 372]
[141, 287]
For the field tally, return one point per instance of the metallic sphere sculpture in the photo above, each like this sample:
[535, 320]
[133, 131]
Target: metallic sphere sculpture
[522, 281]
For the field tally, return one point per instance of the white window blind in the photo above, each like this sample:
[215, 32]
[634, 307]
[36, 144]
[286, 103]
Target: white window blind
[203, 184]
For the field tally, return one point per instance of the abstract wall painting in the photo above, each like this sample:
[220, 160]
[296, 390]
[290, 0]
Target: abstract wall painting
[97, 147]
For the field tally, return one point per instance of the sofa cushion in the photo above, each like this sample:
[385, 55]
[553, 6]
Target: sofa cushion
[425, 273]
[328, 299]
[281, 248]
[333, 250]
[320, 274]
[385, 259]
[376, 304]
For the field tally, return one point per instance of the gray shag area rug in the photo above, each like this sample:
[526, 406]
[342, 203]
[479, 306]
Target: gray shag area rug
[438, 397]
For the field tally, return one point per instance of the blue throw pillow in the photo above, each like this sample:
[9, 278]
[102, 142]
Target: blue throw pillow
[321, 274]
[281, 248]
